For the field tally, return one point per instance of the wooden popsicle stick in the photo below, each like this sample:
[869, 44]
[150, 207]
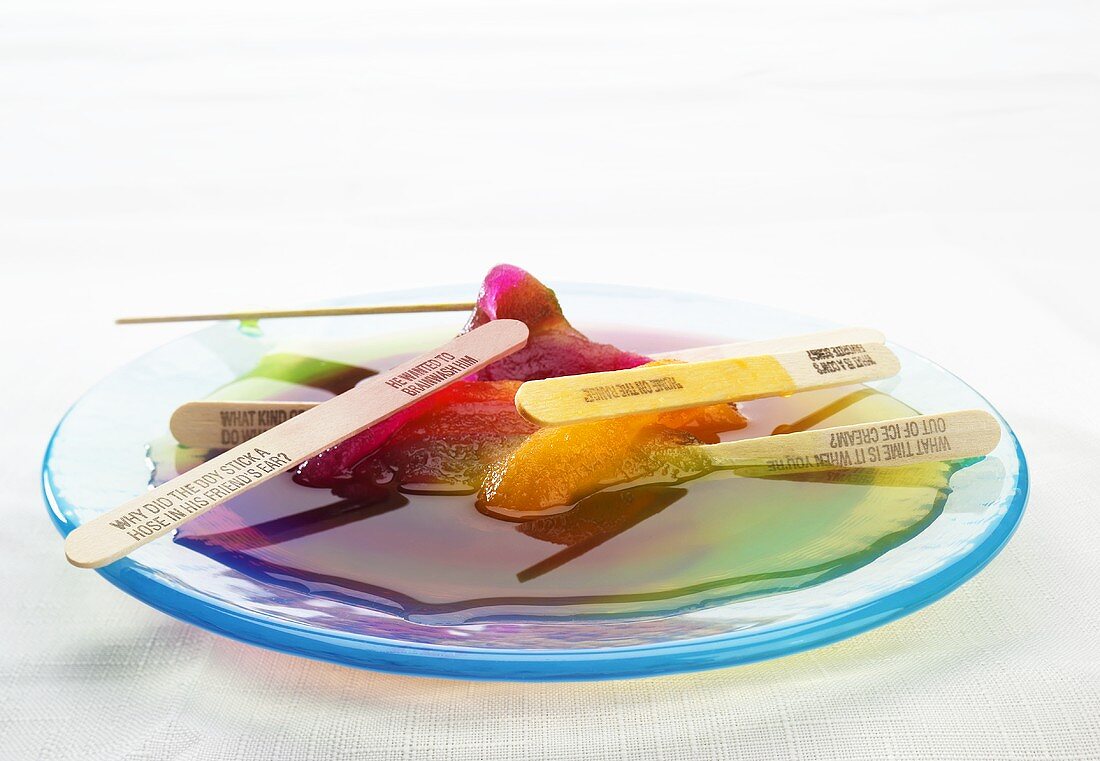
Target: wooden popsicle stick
[885, 443]
[158, 511]
[217, 424]
[671, 386]
[464, 306]
[221, 425]
[837, 337]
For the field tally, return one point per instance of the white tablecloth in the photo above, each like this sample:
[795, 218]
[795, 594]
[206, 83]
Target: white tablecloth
[927, 168]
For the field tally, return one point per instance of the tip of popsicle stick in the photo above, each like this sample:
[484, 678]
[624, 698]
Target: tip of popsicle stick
[531, 416]
[177, 424]
[539, 408]
[82, 553]
[888, 363]
[515, 329]
[869, 335]
[984, 427]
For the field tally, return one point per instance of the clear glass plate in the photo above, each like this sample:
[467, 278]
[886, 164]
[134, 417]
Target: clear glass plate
[98, 458]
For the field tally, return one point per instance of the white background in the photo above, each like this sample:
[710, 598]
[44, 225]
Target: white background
[928, 168]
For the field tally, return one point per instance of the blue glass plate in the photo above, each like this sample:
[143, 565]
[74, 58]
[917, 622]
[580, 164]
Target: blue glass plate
[98, 458]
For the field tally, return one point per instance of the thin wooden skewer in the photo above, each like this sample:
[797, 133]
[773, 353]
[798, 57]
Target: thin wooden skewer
[218, 424]
[462, 306]
[160, 510]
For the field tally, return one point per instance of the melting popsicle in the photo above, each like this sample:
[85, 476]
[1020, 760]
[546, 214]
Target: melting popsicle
[450, 444]
[555, 348]
[486, 430]
[539, 476]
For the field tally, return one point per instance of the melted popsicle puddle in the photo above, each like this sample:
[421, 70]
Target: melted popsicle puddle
[643, 551]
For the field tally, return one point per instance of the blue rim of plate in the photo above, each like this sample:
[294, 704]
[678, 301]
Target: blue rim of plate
[500, 664]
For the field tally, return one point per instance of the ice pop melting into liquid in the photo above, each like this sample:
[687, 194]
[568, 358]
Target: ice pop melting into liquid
[555, 347]
[392, 526]
[535, 477]
[447, 442]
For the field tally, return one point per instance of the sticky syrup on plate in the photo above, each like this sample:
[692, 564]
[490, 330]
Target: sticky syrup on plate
[646, 551]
